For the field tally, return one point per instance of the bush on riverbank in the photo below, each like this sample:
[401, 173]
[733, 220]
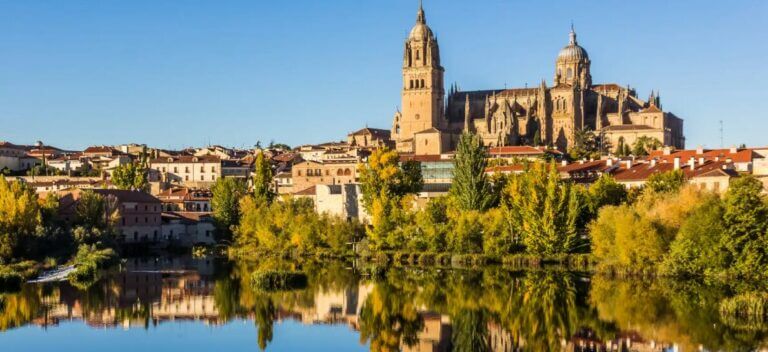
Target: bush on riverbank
[88, 261]
[687, 232]
[749, 307]
[278, 280]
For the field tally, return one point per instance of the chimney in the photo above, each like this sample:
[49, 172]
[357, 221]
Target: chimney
[734, 150]
[667, 151]
[564, 163]
[701, 160]
[692, 163]
[609, 162]
[699, 150]
[653, 162]
[581, 161]
[629, 164]
[677, 163]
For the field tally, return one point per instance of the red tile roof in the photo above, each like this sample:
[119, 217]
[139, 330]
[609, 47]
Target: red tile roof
[310, 191]
[740, 156]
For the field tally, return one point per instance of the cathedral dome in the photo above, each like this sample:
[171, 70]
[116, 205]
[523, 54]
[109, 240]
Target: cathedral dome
[421, 32]
[572, 51]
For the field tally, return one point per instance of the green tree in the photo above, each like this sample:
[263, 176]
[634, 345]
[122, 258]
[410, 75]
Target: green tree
[225, 203]
[543, 210]
[537, 138]
[130, 177]
[470, 188]
[666, 182]
[262, 179]
[606, 191]
[644, 145]
[584, 145]
[745, 220]
[90, 210]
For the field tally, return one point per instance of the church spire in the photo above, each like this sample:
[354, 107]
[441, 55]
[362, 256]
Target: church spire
[572, 36]
[421, 17]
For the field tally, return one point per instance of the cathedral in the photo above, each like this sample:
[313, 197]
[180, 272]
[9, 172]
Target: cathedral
[430, 122]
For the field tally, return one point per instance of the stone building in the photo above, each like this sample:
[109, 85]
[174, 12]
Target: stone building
[430, 122]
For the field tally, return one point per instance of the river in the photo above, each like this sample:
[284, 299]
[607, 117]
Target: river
[185, 304]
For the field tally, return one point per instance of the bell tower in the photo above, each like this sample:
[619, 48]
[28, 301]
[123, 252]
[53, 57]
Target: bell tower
[423, 93]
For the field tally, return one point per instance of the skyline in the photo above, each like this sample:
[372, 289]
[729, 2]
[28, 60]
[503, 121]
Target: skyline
[229, 72]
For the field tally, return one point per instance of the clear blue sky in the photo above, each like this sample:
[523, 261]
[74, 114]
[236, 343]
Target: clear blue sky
[174, 73]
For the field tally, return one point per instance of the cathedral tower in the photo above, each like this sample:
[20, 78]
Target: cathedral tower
[423, 92]
[572, 66]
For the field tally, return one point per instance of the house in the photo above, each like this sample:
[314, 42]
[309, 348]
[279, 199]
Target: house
[343, 200]
[187, 229]
[186, 170]
[327, 172]
[100, 151]
[742, 158]
[706, 174]
[182, 199]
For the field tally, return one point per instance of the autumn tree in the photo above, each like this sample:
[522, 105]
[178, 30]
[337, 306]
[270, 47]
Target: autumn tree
[644, 145]
[666, 182]
[19, 217]
[584, 145]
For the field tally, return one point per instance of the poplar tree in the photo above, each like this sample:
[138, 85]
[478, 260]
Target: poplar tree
[262, 179]
[470, 188]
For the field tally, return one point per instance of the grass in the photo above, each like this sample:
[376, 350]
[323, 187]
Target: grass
[88, 261]
[750, 307]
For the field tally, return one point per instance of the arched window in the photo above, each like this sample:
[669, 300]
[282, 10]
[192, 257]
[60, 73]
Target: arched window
[422, 84]
[570, 73]
[397, 129]
[347, 172]
[339, 172]
[417, 55]
[411, 84]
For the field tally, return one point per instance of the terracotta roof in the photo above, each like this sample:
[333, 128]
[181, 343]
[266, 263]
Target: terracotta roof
[188, 216]
[99, 149]
[310, 191]
[521, 150]
[429, 130]
[376, 132]
[652, 108]
[642, 171]
[595, 165]
[285, 157]
[741, 156]
[627, 127]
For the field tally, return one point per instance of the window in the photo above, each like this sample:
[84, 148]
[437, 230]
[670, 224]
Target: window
[202, 168]
[422, 84]
[202, 177]
[186, 169]
[213, 169]
[411, 84]
[417, 55]
[175, 170]
[299, 172]
[570, 73]
[186, 177]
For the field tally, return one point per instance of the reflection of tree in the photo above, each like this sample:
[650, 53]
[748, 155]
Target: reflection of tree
[264, 315]
[470, 331]
[18, 309]
[665, 310]
[389, 316]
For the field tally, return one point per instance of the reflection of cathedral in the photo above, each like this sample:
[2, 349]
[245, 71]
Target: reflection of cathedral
[429, 122]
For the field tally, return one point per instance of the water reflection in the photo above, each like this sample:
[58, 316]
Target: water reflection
[401, 309]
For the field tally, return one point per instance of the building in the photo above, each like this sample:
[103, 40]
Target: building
[182, 199]
[370, 138]
[309, 173]
[710, 175]
[342, 200]
[187, 229]
[186, 170]
[516, 153]
[502, 117]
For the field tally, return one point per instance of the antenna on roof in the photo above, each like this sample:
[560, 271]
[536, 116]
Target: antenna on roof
[721, 134]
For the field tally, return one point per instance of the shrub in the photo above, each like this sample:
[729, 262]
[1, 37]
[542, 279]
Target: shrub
[750, 306]
[278, 280]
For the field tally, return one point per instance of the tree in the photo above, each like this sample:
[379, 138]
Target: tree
[470, 188]
[130, 177]
[644, 144]
[584, 145]
[543, 210]
[745, 218]
[606, 191]
[537, 138]
[262, 179]
[225, 203]
[384, 175]
[19, 217]
[90, 210]
[666, 182]
[384, 183]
